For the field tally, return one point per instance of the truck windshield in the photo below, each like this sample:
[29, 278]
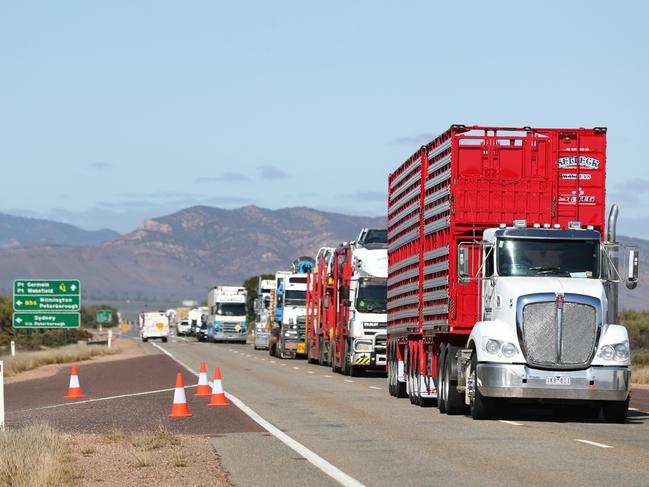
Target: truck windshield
[558, 258]
[294, 298]
[375, 239]
[372, 298]
[230, 309]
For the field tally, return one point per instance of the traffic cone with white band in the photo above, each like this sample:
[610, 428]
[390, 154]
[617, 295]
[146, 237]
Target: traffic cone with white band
[218, 396]
[179, 409]
[203, 388]
[74, 391]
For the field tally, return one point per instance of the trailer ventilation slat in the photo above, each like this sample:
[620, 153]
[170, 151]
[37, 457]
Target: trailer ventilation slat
[446, 175]
[404, 239]
[433, 254]
[439, 149]
[404, 263]
[407, 173]
[437, 225]
[414, 299]
[402, 277]
[436, 210]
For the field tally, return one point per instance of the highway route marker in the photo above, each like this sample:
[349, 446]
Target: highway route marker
[104, 316]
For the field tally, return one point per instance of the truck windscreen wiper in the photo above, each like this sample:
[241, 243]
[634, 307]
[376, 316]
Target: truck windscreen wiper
[549, 270]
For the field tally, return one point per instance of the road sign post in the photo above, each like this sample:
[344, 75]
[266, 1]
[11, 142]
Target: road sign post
[2, 397]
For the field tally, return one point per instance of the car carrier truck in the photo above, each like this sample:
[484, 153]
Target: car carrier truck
[502, 287]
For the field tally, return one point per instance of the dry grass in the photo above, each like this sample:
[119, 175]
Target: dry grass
[154, 440]
[640, 375]
[25, 361]
[33, 456]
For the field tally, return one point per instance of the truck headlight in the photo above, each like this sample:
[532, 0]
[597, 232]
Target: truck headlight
[607, 352]
[492, 347]
[622, 351]
[363, 346]
[508, 350]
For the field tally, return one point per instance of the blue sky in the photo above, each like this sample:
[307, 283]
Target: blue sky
[113, 112]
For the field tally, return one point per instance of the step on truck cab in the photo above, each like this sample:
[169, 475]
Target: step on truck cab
[227, 321]
[360, 275]
[154, 324]
[501, 285]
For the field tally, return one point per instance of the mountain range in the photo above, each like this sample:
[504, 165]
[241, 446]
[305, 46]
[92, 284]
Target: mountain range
[16, 231]
[182, 255]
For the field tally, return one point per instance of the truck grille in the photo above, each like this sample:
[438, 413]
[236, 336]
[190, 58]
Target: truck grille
[560, 333]
[232, 328]
[380, 343]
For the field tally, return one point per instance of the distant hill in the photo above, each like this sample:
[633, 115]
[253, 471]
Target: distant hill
[16, 231]
[180, 256]
[183, 254]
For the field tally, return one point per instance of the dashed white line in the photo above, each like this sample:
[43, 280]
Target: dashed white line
[348, 380]
[374, 387]
[296, 368]
[328, 376]
[310, 372]
[299, 448]
[272, 362]
[513, 423]
[283, 365]
[594, 443]
[263, 359]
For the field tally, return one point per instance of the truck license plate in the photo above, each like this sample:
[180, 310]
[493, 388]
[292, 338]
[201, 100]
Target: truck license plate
[557, 381]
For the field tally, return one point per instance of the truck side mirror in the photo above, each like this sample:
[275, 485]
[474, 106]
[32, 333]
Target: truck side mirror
[633, 268]
[463, 264]
[610, 258]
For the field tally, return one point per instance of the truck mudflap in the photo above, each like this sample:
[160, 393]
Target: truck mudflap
[521, 381]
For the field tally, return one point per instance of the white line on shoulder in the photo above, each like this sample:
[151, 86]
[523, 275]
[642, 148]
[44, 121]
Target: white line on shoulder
[331, 470]
[593, 443]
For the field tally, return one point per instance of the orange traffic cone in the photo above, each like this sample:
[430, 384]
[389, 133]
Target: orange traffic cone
[218, 396]
[74, 391]
[203, 388]
[179, 409]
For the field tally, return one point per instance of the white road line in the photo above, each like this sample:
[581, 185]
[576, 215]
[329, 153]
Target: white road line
[263, 359]
[296, 368]
[310, 372]
[599, 445]
[328, 376]
[513, 423]
[86, 401]
[299, 448]
[374, 387]
[348, 380]
[283, 365]
[272, 362]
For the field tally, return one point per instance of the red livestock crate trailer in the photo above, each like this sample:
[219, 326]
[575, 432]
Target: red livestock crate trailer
[321, 296]
[494, 280]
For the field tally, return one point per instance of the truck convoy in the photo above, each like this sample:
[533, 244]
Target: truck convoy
[501, 286]
[347, 304]
[290, 311]
[154, 325]
[227, 314]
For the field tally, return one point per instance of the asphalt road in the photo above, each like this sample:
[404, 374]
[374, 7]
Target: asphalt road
[121, 396]
[355, 425]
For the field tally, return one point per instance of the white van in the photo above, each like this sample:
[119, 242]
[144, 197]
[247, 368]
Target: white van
[154, 325]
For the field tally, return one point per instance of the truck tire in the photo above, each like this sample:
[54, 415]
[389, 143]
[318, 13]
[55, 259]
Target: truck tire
[441, 392]
[164, 339]
[480, 406]
[616, 411]
[344, 370]
[454, 402]
[144, 339]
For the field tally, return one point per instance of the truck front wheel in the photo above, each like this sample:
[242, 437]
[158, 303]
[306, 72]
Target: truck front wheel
[454, 400]
[616, 411]
[480, 407]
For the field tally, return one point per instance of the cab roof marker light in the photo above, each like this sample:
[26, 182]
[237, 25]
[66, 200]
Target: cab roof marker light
[590, 227]
[502, 225]
[546, 225]
[556, 225]
[520, 223]
[537, 225]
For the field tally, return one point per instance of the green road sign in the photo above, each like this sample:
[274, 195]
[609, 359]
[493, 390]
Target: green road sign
[47, 287]
[47, 303]
[104, 316]
[46, 320]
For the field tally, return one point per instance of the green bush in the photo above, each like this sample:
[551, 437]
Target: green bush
[637, 323]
